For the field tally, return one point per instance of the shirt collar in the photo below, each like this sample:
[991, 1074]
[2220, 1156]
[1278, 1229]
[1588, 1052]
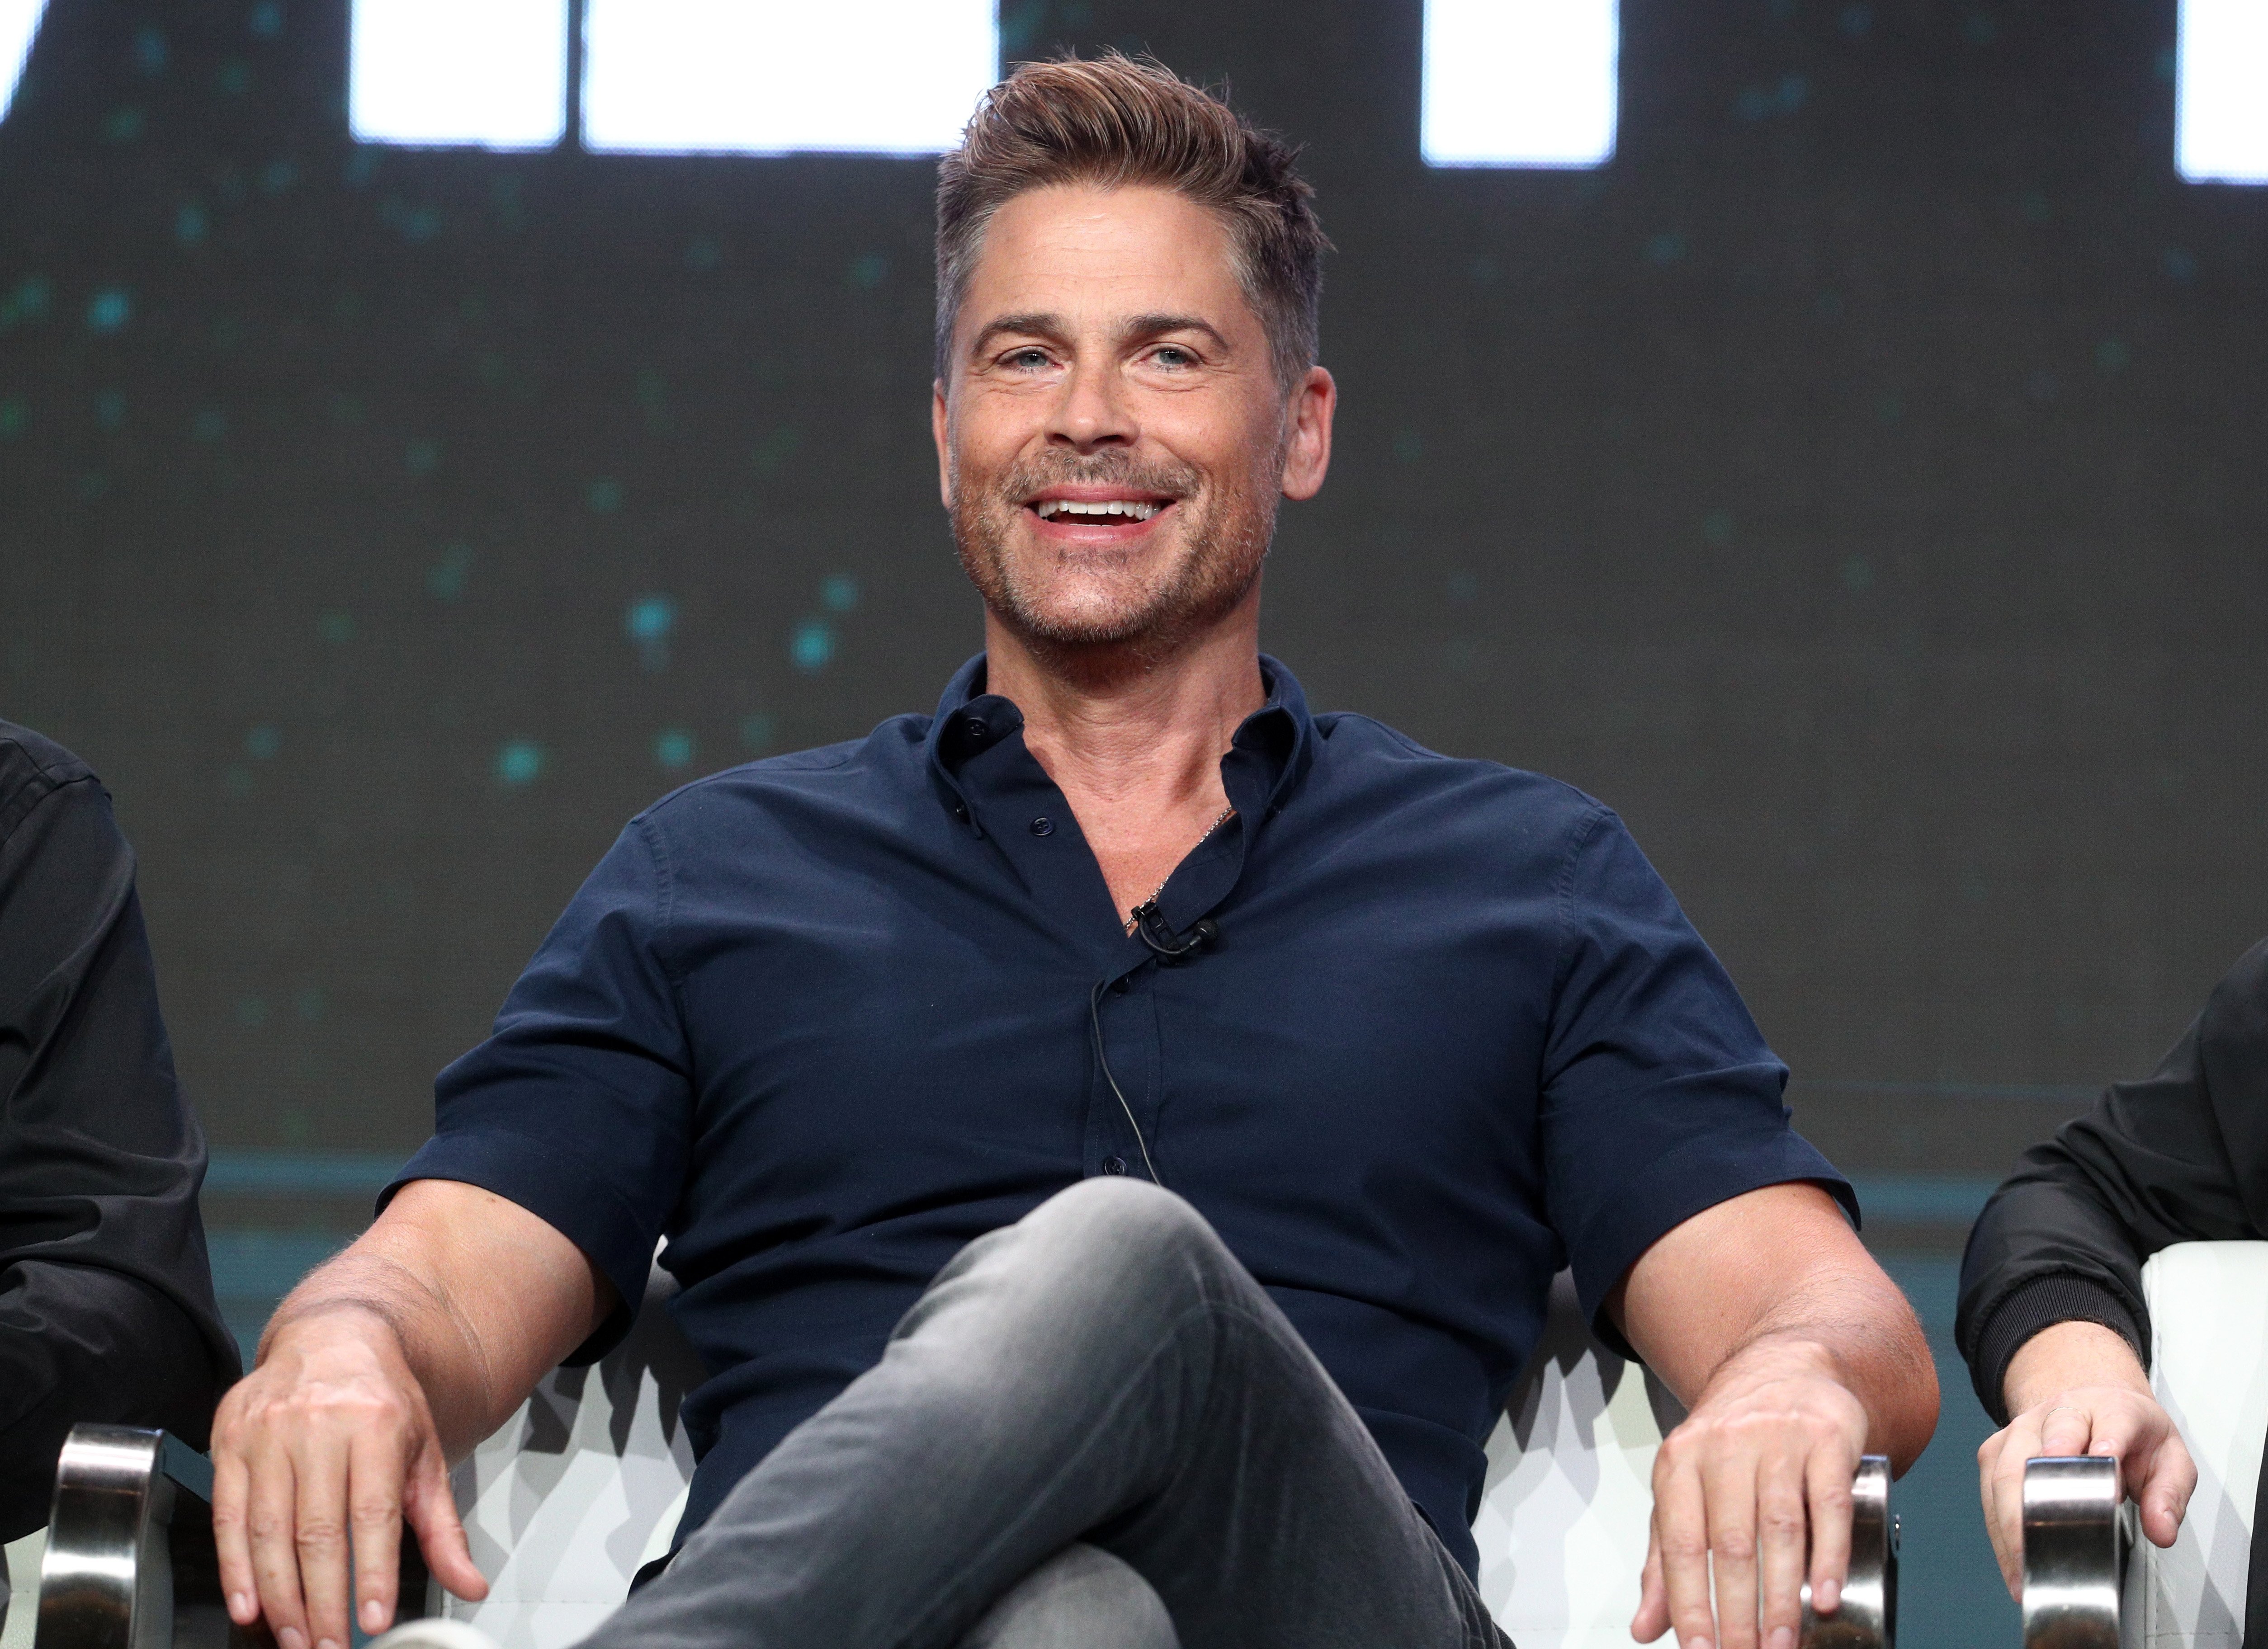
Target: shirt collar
[1278, 737]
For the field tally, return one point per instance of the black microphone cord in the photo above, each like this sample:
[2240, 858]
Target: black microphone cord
[1094, 1025]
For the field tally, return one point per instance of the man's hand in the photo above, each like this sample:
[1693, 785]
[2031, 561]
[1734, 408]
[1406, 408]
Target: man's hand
[1756, 1484]
[381, 1367]
[1796, 1356]
[2078, 1388]
[318, 1455]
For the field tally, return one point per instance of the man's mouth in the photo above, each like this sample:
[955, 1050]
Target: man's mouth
[1071, 510]
[1097, 518]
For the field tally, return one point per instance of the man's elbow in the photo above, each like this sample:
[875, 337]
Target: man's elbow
[1906, 1407]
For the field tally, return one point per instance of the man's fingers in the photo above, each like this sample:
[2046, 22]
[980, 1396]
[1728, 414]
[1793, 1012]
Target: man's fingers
[231, 1483]
[271, 1519]
[2066, 1429]
[432, 1511]
[2164, 1489]
[374, 1485]
[319, 1531]
[1652, 1617]
[1827, 1481]
[1782, 1527]
[2000, 1482]
[1731, 1485]
[1681, 1530]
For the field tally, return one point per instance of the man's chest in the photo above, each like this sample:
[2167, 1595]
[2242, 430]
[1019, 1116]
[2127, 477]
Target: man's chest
[1348, 1044]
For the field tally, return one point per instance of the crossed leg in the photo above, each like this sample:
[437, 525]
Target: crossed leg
[1105, 1373]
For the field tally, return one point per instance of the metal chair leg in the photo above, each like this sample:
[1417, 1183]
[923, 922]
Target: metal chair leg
[131, 1561]
[2078, 1533]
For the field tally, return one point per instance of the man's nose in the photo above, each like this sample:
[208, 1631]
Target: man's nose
[1092, 413]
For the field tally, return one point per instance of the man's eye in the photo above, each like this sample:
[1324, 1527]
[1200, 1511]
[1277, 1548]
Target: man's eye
[1026, 360]
[1173, 355]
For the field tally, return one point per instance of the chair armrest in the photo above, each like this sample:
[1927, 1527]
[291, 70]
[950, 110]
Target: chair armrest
[2078, 1533]
[131, 1561]
[1867, 1616]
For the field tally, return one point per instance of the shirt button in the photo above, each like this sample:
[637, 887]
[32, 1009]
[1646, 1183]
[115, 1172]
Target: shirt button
[1043, 825]
[1118, 987]
[1114, 1165]
[976, 729]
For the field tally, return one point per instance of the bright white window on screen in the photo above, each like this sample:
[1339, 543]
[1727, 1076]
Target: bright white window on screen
[768, 76]
[2221, 119]
[489, 74]
[1520, 83]
[20, 21]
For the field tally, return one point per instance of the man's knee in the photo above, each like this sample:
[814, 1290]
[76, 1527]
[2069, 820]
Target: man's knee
[1082, 1598]
[1129, 1226]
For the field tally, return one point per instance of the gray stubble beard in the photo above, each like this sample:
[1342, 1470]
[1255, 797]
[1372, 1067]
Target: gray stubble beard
[1223, 554]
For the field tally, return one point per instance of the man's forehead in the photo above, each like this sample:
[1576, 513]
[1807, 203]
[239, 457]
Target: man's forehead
[1083, 250]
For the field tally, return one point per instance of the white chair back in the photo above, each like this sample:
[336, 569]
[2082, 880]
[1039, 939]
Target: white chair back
[2209, 1366]
[585, 1483]
[581, 1488]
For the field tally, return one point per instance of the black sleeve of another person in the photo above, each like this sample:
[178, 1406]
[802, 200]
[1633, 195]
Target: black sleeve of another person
[107, 1309]
[2180, 1156]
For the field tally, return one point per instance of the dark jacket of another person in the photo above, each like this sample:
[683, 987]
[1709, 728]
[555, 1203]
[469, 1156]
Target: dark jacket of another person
[106, 1310]
[2180, 1156]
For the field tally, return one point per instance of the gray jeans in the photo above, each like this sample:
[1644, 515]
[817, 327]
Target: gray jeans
[1094, 1430]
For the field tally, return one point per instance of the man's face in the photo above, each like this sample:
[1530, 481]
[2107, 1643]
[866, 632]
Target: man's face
[1111, 437]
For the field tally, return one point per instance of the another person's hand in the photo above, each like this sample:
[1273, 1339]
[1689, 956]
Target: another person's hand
[2078, 1388]
[1756, 1484]
[318, 1455]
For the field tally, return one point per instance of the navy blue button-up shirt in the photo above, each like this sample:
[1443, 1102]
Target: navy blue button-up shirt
[822, 1019]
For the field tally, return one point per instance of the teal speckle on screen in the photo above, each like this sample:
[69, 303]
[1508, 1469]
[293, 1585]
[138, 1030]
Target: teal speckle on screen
[262, 743]
[839, 593]
[519, 762]
[673, 749]
[109, 310]
[648, 622]
[812, 646]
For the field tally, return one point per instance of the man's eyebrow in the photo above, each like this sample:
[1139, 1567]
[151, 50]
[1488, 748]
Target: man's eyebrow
[1031, 324]
[1157, 326]
[1036, 324]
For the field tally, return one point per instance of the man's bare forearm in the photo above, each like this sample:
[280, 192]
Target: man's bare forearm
[479, 1296]
[1852, 1324]
[379, 1281]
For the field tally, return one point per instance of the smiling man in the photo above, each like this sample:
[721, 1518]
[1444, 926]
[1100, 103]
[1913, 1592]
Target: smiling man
[1117, 1134]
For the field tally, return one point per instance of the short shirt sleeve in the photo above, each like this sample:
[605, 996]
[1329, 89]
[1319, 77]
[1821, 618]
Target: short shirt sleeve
[579, 1106]
[1659, 1097]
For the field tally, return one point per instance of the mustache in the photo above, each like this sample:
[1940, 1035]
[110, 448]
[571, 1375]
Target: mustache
[1110, 469]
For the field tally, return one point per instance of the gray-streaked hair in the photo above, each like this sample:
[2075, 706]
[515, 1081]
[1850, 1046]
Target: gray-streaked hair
[1117, 121]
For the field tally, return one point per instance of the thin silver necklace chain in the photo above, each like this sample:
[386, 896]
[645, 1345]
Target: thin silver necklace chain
[1219, 818]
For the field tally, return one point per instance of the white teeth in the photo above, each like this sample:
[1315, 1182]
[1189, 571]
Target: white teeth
[1138, 510]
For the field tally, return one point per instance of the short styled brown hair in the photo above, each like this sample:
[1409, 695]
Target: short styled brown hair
[1117, 120]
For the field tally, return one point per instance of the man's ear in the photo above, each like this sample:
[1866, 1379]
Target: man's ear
[1307, 450]
[939, 428]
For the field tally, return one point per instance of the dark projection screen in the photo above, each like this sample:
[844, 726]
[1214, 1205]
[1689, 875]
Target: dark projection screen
[1858, 481]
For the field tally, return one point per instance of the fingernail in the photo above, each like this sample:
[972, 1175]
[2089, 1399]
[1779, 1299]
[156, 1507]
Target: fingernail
[326, 1643]
[240, 1607]
[1827, 1593]
[1783, 1637]
[374, 1616]
[291, 1637]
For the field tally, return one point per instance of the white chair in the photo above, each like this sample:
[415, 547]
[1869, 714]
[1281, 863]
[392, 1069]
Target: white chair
[2209, 1366]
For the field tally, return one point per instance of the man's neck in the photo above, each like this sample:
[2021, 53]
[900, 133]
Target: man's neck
[1132, 732]
[1136, 746]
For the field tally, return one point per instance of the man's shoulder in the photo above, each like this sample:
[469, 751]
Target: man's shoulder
[856, 775]
[32, 767]
[1367, 754]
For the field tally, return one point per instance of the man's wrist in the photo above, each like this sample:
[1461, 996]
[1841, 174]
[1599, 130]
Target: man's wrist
[2069, 1356]
[294, 1318]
